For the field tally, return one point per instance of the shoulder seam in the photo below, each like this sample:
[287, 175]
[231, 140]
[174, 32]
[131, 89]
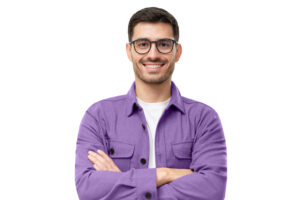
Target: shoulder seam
[116, 98]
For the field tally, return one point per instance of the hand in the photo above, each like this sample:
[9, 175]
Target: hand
[166, 175]
[178, 173]
[161, 176]
[102, 161]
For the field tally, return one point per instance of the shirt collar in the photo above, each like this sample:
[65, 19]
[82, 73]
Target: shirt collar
[176, 99]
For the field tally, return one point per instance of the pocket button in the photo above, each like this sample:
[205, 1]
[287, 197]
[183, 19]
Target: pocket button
[148, 195]
[112, 151]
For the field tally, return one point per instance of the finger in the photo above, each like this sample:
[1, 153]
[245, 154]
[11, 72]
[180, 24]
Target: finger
[97, 164]
[100, 167]
[96, 156]
[111, 165]
[97, 159]
[107, 158]
[106, 163]
[96, 167]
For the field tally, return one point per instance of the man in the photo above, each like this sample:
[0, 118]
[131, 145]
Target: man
[151, 143]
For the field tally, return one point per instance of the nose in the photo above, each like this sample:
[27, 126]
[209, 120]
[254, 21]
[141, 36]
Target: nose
[153, 53]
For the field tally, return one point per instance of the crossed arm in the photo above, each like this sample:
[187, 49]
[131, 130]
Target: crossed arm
[102, 162]
[98, 177]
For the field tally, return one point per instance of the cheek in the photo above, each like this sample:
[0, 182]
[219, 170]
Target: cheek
[172, 58]
[135, 58]
[138, 59]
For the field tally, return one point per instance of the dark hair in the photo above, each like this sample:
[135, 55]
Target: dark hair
[153, 14]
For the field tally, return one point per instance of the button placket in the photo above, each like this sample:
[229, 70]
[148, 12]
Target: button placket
[143, 160]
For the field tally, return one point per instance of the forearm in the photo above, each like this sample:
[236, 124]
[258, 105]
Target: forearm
[111, 185]
[202, 185]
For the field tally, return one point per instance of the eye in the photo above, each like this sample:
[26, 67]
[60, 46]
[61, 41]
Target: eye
[142, 43]
[165, 43]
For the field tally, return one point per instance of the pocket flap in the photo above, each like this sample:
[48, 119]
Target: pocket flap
[120, 150]
[183, 150]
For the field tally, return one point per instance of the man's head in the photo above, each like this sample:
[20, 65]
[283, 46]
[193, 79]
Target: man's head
[153, 63]
[153, 14]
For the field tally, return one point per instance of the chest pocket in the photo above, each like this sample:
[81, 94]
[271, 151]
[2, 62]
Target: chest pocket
[182, 154]
[121, 153]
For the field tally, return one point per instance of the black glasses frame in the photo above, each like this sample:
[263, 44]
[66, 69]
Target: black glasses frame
[173, 41]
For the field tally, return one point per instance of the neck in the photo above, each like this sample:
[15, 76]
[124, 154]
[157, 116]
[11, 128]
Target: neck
[153, 92]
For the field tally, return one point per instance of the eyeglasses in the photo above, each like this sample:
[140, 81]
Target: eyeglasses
[143, 45]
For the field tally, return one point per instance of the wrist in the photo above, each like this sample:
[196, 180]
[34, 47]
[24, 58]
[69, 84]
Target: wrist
[162, 176]
[167, 174]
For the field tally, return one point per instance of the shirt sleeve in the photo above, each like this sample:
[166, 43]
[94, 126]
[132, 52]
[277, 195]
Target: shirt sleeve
[101, 185]
[209, 163]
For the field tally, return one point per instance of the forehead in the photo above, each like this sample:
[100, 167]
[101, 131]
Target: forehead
[152, 31]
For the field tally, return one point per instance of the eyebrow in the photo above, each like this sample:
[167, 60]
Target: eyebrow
[153, 40]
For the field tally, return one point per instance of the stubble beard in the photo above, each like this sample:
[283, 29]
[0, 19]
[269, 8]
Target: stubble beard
[155, 80]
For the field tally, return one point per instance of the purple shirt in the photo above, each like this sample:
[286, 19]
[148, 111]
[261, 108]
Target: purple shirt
[189, 135]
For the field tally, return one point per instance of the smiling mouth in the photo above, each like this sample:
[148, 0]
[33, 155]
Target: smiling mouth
[153, 66]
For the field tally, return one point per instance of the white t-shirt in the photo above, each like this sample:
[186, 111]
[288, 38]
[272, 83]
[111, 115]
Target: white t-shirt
[153, 112]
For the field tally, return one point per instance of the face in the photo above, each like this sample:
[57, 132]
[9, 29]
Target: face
[153, 67]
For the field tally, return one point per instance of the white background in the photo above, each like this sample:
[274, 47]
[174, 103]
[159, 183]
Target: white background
[58, 57]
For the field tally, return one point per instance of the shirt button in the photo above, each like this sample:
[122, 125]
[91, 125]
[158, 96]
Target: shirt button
[148, 195]
[144, 127]
[143, 161]
[111, 151]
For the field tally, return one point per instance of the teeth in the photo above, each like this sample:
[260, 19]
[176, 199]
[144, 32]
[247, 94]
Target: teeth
[152, 66]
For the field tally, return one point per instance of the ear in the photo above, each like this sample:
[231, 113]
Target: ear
[178, 52]
[128, 51]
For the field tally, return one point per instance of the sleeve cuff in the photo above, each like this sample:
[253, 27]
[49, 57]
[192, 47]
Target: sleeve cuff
[146, 183]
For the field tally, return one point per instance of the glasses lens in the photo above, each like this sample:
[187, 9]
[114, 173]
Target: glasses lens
[142, 46]
[165, 45]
